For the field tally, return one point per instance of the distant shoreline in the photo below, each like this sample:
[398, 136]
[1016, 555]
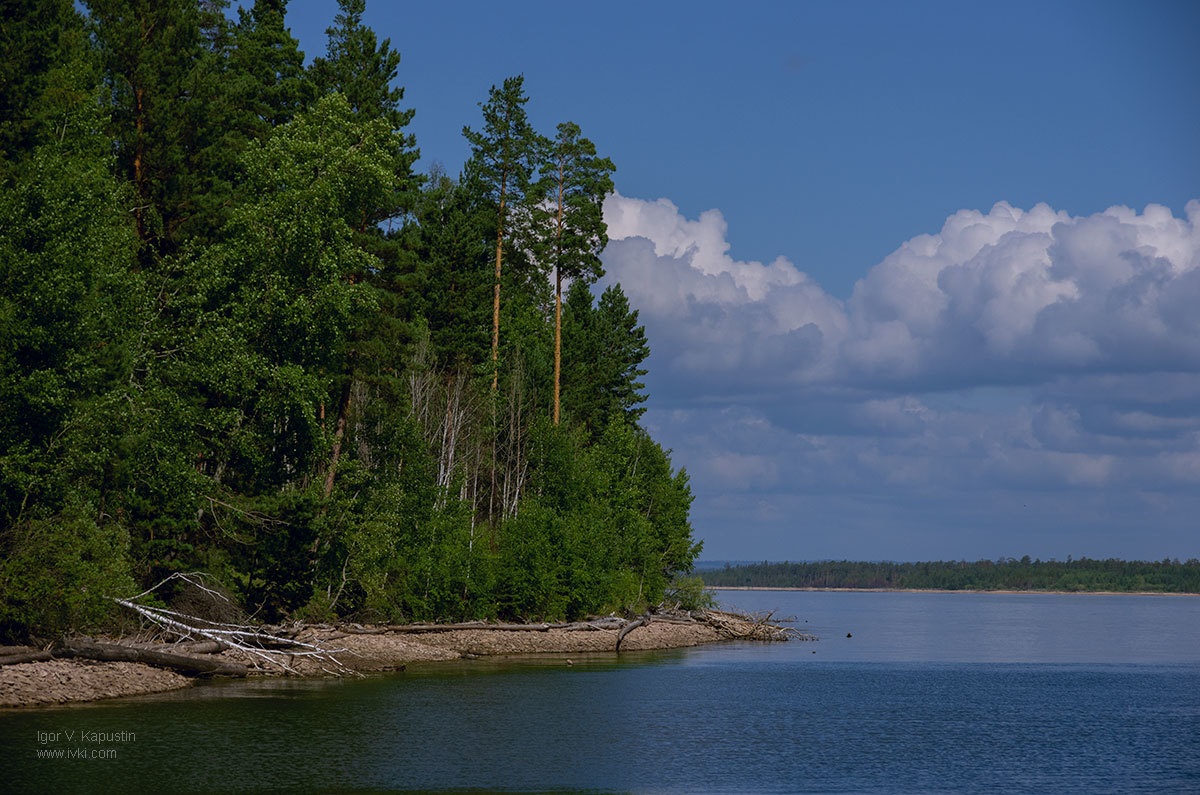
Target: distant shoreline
[947, 590]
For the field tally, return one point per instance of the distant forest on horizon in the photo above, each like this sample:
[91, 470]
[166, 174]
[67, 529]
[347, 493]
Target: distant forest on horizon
[1004, 574]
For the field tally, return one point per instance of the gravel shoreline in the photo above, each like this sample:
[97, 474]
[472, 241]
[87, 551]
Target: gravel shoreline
[61, 681]
[42, 684]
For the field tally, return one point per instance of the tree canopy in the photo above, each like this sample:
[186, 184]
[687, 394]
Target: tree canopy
[240, 335]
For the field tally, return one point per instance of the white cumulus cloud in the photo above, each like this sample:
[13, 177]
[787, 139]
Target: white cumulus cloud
[1021, 368]
[997, 297]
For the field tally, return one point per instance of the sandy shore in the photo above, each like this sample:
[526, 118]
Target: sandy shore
[62, 681]
[39, 684]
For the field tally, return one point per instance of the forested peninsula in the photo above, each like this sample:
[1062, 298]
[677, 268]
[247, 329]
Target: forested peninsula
[241, 335]
[1005, 574]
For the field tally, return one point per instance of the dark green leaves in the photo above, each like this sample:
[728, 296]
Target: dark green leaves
[237, 336]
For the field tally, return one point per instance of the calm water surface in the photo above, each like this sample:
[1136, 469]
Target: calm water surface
[932, 693]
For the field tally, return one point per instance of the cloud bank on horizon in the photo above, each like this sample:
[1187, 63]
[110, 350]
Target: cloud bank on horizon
[1013, 352]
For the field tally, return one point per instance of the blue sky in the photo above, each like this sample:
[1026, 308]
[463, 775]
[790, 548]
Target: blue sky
[856, 351]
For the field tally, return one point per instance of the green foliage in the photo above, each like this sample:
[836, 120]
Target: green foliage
[36, 37]
[690, 593]
[612, 517]
[251, 79]
[57, 573]
[603, 348]
[569, 204]
[237, 336]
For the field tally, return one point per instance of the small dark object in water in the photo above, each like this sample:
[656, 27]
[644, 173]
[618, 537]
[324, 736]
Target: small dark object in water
[848, 635]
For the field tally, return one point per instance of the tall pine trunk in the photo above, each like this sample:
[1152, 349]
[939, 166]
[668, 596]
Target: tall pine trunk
[496, 296]
[558, 295]
[496, 291]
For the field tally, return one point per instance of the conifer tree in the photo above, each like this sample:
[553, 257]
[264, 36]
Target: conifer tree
[254, 72]
[449, 240]
[576, 181]
[623, 348]
[604, 349]
[152, 51]
[35, 36]
[363, 69]
[504, 154]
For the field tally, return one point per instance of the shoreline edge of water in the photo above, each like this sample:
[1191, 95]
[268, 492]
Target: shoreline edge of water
[49, 683]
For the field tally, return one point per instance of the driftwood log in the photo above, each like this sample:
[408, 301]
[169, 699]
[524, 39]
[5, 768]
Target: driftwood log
[19, 654]
[184, 664]
[114, 652]
[417, 628]
[203, 647]
[631, 626]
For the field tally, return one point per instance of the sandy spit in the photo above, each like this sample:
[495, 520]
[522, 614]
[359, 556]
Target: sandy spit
[70, 680]
[39, 684]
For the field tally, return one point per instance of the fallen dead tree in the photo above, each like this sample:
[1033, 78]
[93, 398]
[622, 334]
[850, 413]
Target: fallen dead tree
[264, 647]
[14, 655]
[631, 626]
[115, 652]
[751, 626]
[83, 648]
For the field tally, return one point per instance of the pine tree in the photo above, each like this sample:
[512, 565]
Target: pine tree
[623, 348]
[504, 155]
[253, 71]
[154, 57]
[576, 181]
[363, 70]
[35, 36]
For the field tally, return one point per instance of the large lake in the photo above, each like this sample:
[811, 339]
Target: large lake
[932, 693]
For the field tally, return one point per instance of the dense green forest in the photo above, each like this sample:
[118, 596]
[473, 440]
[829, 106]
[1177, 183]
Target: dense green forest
[1009, 574]
[240, 334]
